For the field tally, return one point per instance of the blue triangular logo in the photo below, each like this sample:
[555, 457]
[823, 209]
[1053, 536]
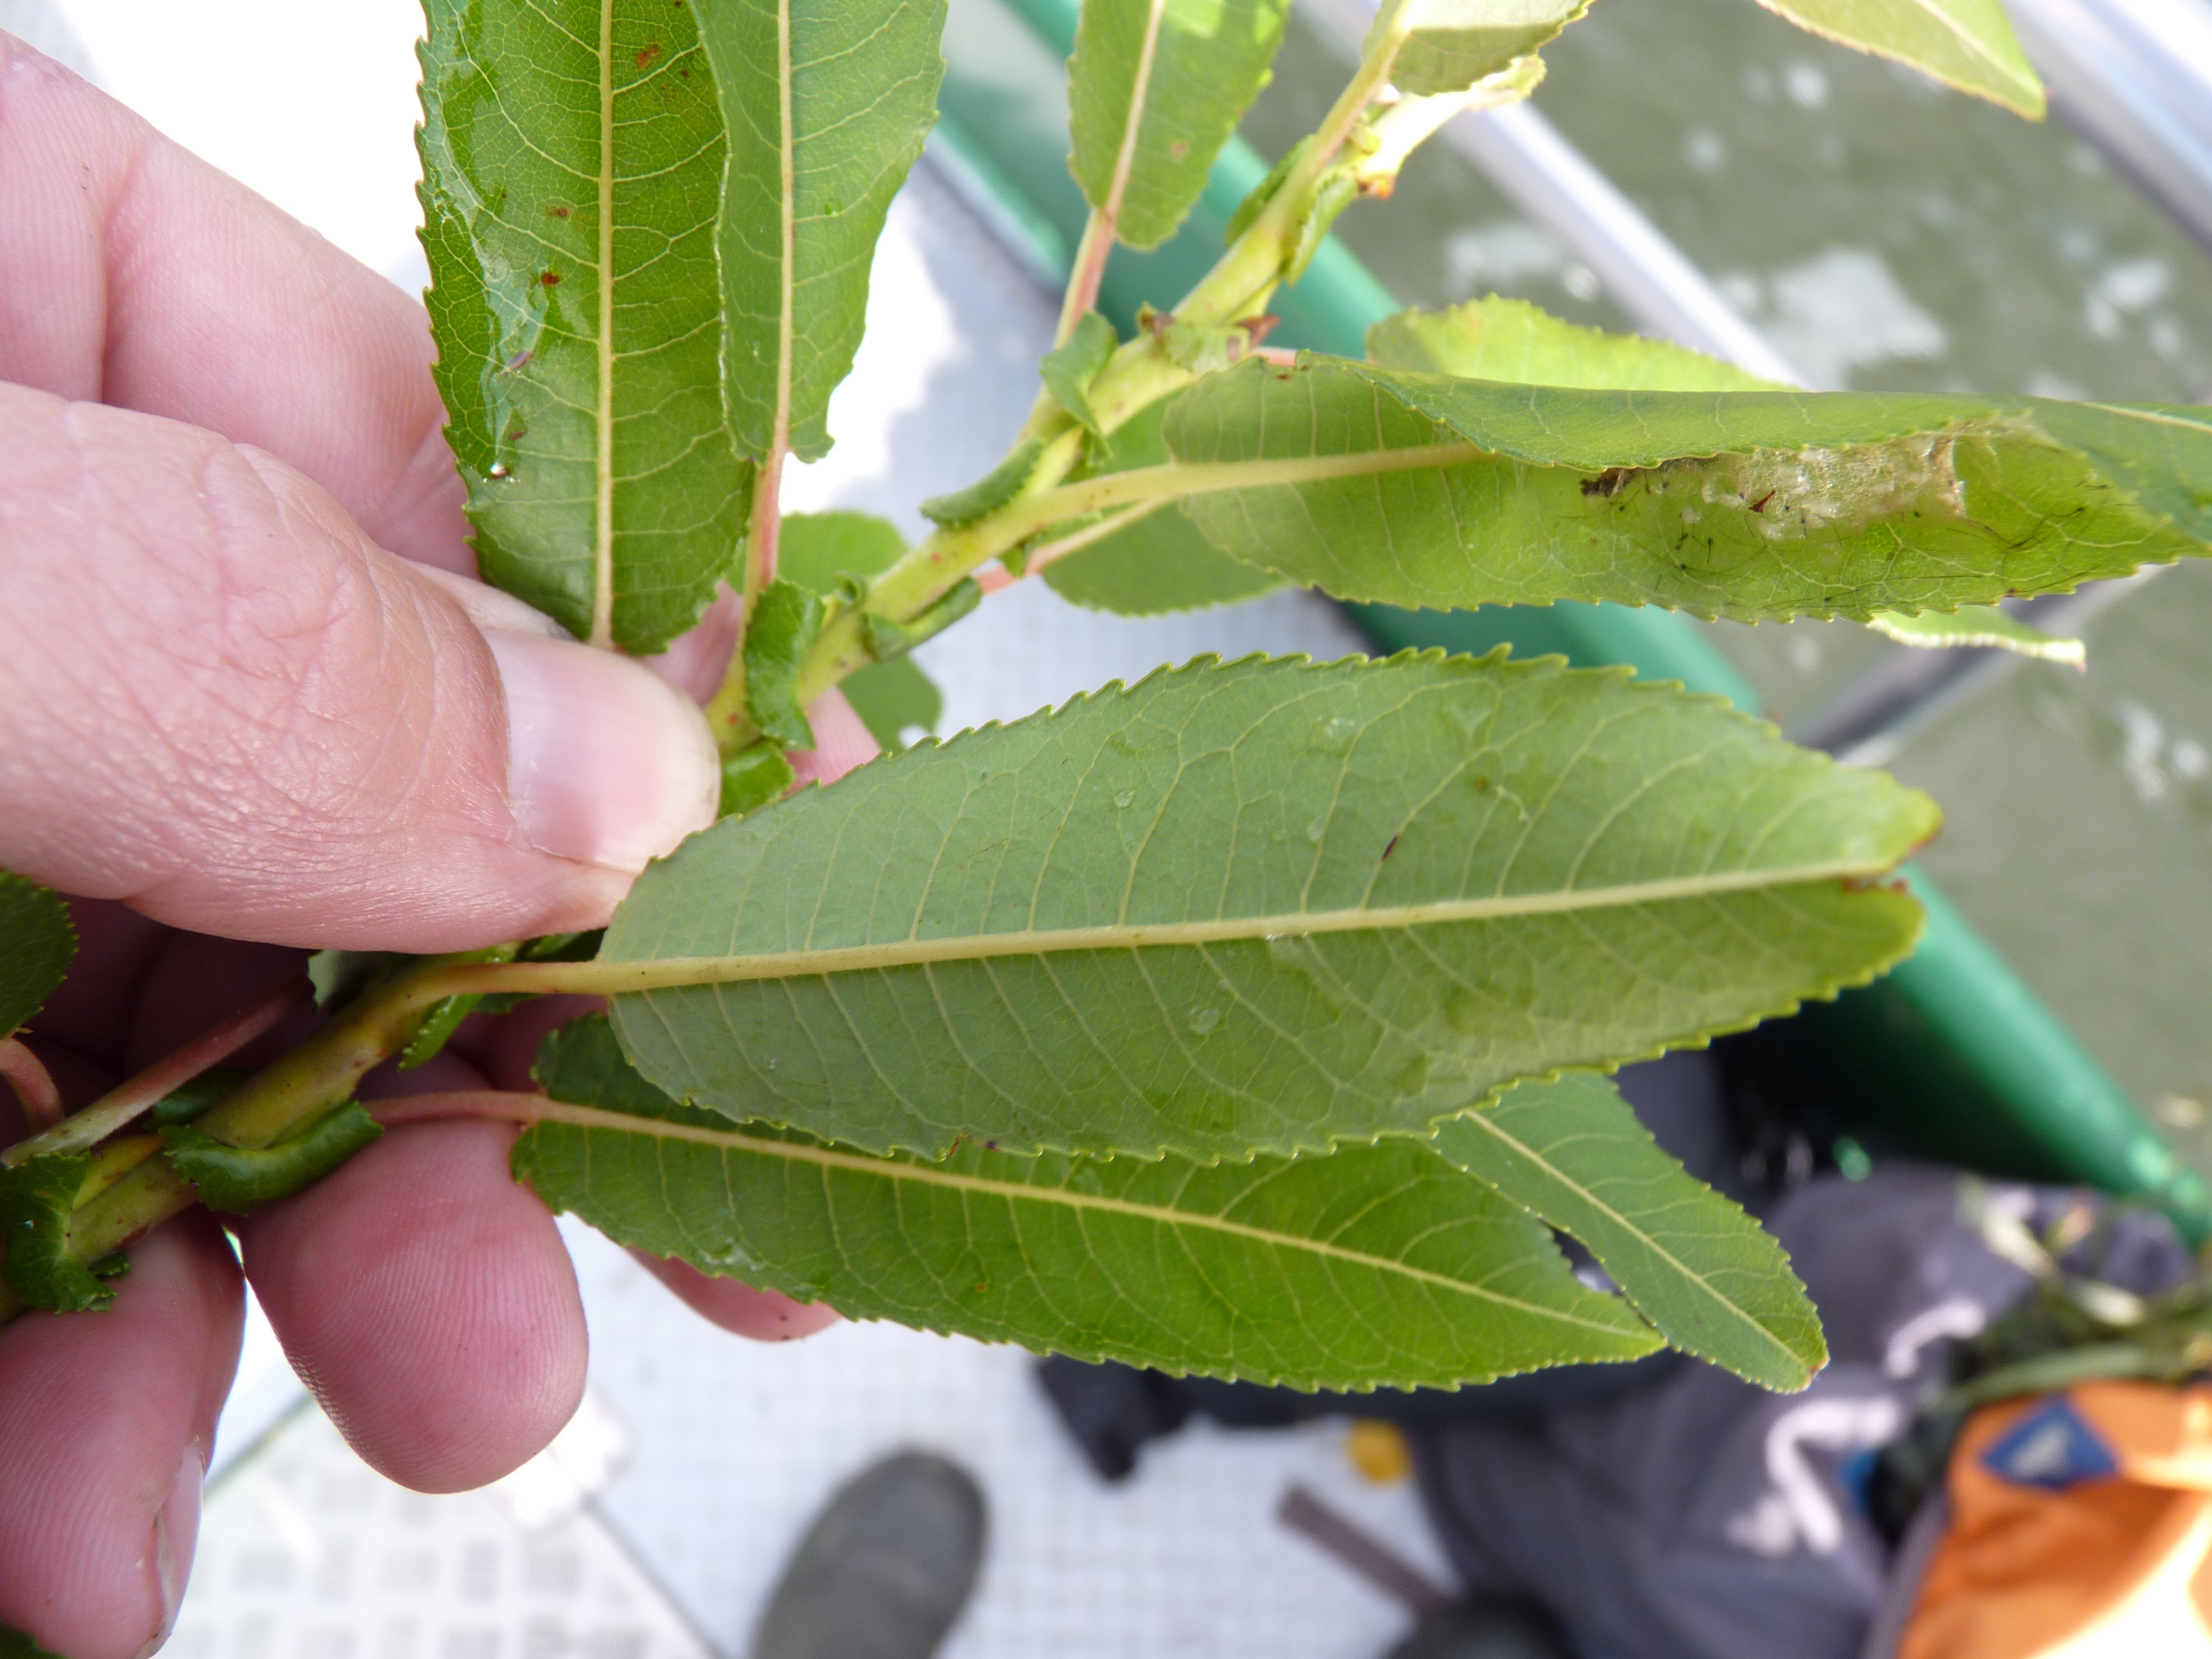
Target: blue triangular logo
[2052, 1447]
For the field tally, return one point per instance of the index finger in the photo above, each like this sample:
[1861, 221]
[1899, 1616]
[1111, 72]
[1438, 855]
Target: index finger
[133, 273]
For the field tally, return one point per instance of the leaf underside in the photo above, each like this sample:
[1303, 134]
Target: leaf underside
[804, 205]
[1208, 61]
[1497, 338]
[579, 354]
[1757, 506]
[1693, 1263]
[1456, 43]
[1161, 564]
[1380, 1265]
[37, 943]
[1965, 44]
[1264, 906]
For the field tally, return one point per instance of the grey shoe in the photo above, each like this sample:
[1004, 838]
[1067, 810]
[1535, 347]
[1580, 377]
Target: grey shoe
[1482, 1630]
[885, 1568]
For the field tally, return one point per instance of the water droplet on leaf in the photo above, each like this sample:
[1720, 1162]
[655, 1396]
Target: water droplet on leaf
[1125, 797]
[1204, 1020]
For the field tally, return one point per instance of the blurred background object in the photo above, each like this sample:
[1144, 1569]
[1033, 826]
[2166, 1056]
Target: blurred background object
[1687, 160]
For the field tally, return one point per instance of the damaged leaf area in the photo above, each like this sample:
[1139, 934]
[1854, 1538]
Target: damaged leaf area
[1795, 494]
[1420, 489]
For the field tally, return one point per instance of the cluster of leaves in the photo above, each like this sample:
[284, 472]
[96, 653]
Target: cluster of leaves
[1253, 1019]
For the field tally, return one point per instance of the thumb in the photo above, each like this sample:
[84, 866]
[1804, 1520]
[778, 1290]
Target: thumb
[221, 704]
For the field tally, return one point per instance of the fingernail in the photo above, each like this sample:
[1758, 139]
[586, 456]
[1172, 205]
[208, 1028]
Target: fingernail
[606, 763]
[176, 1533]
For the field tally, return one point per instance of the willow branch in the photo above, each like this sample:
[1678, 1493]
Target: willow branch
[115, 1108]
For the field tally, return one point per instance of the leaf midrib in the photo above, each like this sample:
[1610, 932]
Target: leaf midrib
[589, 1117]
[603, 529]
[1125, 158]
[1490, 1126]
[617, 977]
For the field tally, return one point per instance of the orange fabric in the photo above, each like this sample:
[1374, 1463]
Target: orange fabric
[2114, 1566]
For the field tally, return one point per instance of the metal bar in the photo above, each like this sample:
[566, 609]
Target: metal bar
[1373, 1560]
[1554, 183]
[2134, 78]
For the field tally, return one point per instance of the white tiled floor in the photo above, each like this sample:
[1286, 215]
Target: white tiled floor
[306, 1554]
[723, 1450]
[735, 1444]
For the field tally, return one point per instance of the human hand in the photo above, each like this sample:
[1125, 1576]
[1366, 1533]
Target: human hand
[247, 692]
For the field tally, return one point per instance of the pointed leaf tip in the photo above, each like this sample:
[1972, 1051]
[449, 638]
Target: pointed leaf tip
[1713, 1281]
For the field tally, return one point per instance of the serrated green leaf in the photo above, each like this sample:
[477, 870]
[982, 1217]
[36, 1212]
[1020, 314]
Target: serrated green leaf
[13, 1644]
[785, 620]
[1977, 625]
[1160, 563]
[892, 698]
[37, 944]
[1967, 44]
[826, 105]
[1452, 43]
[572, 158]
[238, 1179]
[36, 1199]
[813, 549]
[1498, 339]
[757, 775]
[1154, 90]
[1069, 367]
[1419, 489]
[1264, 906]
[987, 494]
[1693, 1263]
[1381, 1265]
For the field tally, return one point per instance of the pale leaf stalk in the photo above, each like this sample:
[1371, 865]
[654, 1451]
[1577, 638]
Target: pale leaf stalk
[1091, 256]
[117, 1107]
[32, 1082]
[1052, 552]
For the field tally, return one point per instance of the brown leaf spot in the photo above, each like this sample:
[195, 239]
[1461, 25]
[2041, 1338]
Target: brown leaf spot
[550, 279]
[648, 54]
[557, 211]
